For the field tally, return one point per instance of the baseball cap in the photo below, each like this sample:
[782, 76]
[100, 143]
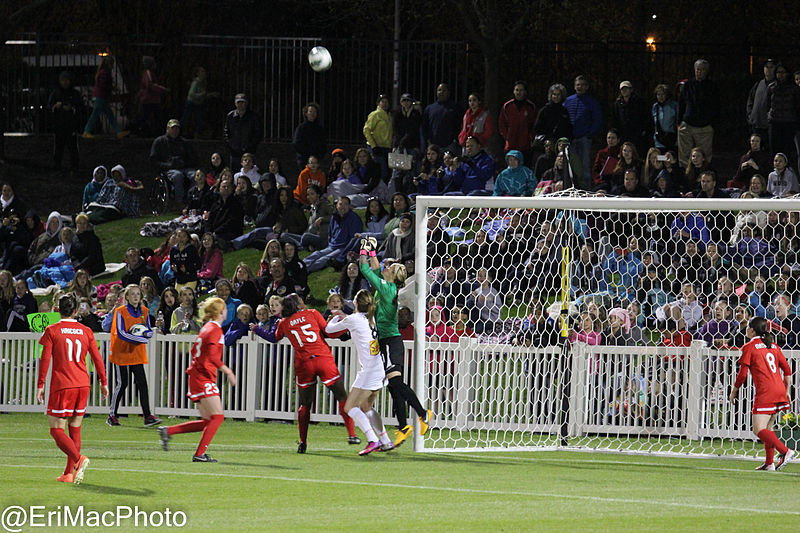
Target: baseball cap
[627, 84]
[241, 97]
[174, 122]
[406, 96]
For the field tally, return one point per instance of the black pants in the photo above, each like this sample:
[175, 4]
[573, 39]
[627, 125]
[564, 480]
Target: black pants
[123, 378]
[70, 141]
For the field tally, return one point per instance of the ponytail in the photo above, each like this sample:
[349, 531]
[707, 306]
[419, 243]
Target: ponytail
[365, 304]
[760, 326]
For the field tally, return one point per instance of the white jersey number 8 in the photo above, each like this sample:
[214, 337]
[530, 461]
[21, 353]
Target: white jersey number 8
[771, 362]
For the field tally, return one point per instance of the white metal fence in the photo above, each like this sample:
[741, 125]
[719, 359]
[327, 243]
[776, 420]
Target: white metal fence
[264, 373]
[642, 398]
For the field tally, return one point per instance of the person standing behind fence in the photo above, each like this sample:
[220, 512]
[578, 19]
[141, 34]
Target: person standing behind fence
[67, 107]
[698, 110]
[243, 130]
[149, 98]
[587, 119]
[309, 137]
[763, 359]
[192, 118]
[103, 88]
[378, 133]
[206, 361]
[517, 120]
[129, 354]
[441, 121]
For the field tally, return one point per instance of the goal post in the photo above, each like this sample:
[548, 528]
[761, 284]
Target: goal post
[576, 321]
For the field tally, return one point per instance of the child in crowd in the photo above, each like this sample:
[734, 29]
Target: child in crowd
[240, 325]
[335, 303]
[262, 314]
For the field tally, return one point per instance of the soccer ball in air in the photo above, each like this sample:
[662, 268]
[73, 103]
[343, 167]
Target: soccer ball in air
[138, 330]
[319, 59]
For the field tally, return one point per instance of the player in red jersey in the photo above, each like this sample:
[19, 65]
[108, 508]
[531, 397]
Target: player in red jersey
[763, 359]
[206, 360]
[312, 357]
[67, 342]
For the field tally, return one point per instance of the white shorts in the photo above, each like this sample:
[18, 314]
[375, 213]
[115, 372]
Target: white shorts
[369, 379]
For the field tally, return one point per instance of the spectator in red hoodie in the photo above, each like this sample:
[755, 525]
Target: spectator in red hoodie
[404, 324]
[517, 121]
[606, 161]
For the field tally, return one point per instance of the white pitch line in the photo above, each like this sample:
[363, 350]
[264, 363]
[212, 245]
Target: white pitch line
[634, 463]
[550, 495]
[178, 444]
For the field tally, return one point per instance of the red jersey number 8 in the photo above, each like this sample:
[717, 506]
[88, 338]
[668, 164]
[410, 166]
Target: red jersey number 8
[308, 332]
[771, 362]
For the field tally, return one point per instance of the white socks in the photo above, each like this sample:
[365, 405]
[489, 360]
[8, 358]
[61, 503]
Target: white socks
[363, 422]
[377, 423]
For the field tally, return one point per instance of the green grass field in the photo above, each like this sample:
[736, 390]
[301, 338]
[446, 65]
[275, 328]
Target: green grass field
[261, 484]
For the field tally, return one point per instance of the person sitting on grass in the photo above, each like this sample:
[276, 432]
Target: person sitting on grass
[93, 188]
[118, 198]
[343, 227]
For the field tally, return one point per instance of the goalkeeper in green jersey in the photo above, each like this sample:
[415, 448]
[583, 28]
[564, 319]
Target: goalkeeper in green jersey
[386, 284]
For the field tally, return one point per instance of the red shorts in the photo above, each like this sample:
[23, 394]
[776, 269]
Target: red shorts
[68, 402]
[201, 389]
[769, 408]
[306, 371]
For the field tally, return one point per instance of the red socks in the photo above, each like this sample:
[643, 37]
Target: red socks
[187, 427]
[75, 435]
[208, 433]
[303, 417]
[65, 444]
[348, 421]
[769, 438]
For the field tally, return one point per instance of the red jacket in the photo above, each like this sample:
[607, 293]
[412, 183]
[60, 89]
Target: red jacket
[479, 125]
[516, 124]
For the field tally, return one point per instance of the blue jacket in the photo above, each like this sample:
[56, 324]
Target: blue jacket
[666, 115]
[515, 181]
[477, 172]
[441, 122]
[231, 303]
[341, 230]
[694, 225]
[585, 115]
[629, 268]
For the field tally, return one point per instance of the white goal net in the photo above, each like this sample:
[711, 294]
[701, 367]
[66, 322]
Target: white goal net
[599, 323]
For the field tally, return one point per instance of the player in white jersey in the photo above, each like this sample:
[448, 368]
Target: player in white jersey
[370, 378]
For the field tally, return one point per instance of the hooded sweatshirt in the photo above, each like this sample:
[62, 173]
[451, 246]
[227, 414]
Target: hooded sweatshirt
[113, 195]
[518, 181]
[93, 188]
[44, 244]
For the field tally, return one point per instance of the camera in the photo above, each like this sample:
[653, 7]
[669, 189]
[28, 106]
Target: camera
[661, 158]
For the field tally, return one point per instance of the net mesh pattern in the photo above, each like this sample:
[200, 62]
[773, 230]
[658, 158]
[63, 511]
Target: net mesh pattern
[599, 328]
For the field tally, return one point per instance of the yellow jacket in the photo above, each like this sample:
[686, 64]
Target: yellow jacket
[378, 129]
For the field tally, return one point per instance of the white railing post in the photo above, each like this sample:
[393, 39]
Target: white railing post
[577, 400]
[153, 373]
[466, 357]
[253, 367]
[694, 401]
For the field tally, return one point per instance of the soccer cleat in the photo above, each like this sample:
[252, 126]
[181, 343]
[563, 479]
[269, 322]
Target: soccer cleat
[423, 424]
[301, 447]
[80, 470]
[353, 440]
[112, 421]
[151, 421]
[768, 467]
[386, 447]
[371, 447]
[783, 459]
[65, 478]
[205, 458]
[402, 434]
[164, 437]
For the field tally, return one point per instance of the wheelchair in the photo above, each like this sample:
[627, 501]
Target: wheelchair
[161, 194]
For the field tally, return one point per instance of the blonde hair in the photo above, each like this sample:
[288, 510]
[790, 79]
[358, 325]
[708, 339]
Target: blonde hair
[263, 307]
[7, 293]
[400, 274]
[82, 216]
[276, 298]
[365, 304]
[86, 290]
[211, 308]
[245, 307]
[333, 296]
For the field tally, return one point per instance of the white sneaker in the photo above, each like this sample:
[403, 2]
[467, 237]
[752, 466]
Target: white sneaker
[768, 467]
[784, 458]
